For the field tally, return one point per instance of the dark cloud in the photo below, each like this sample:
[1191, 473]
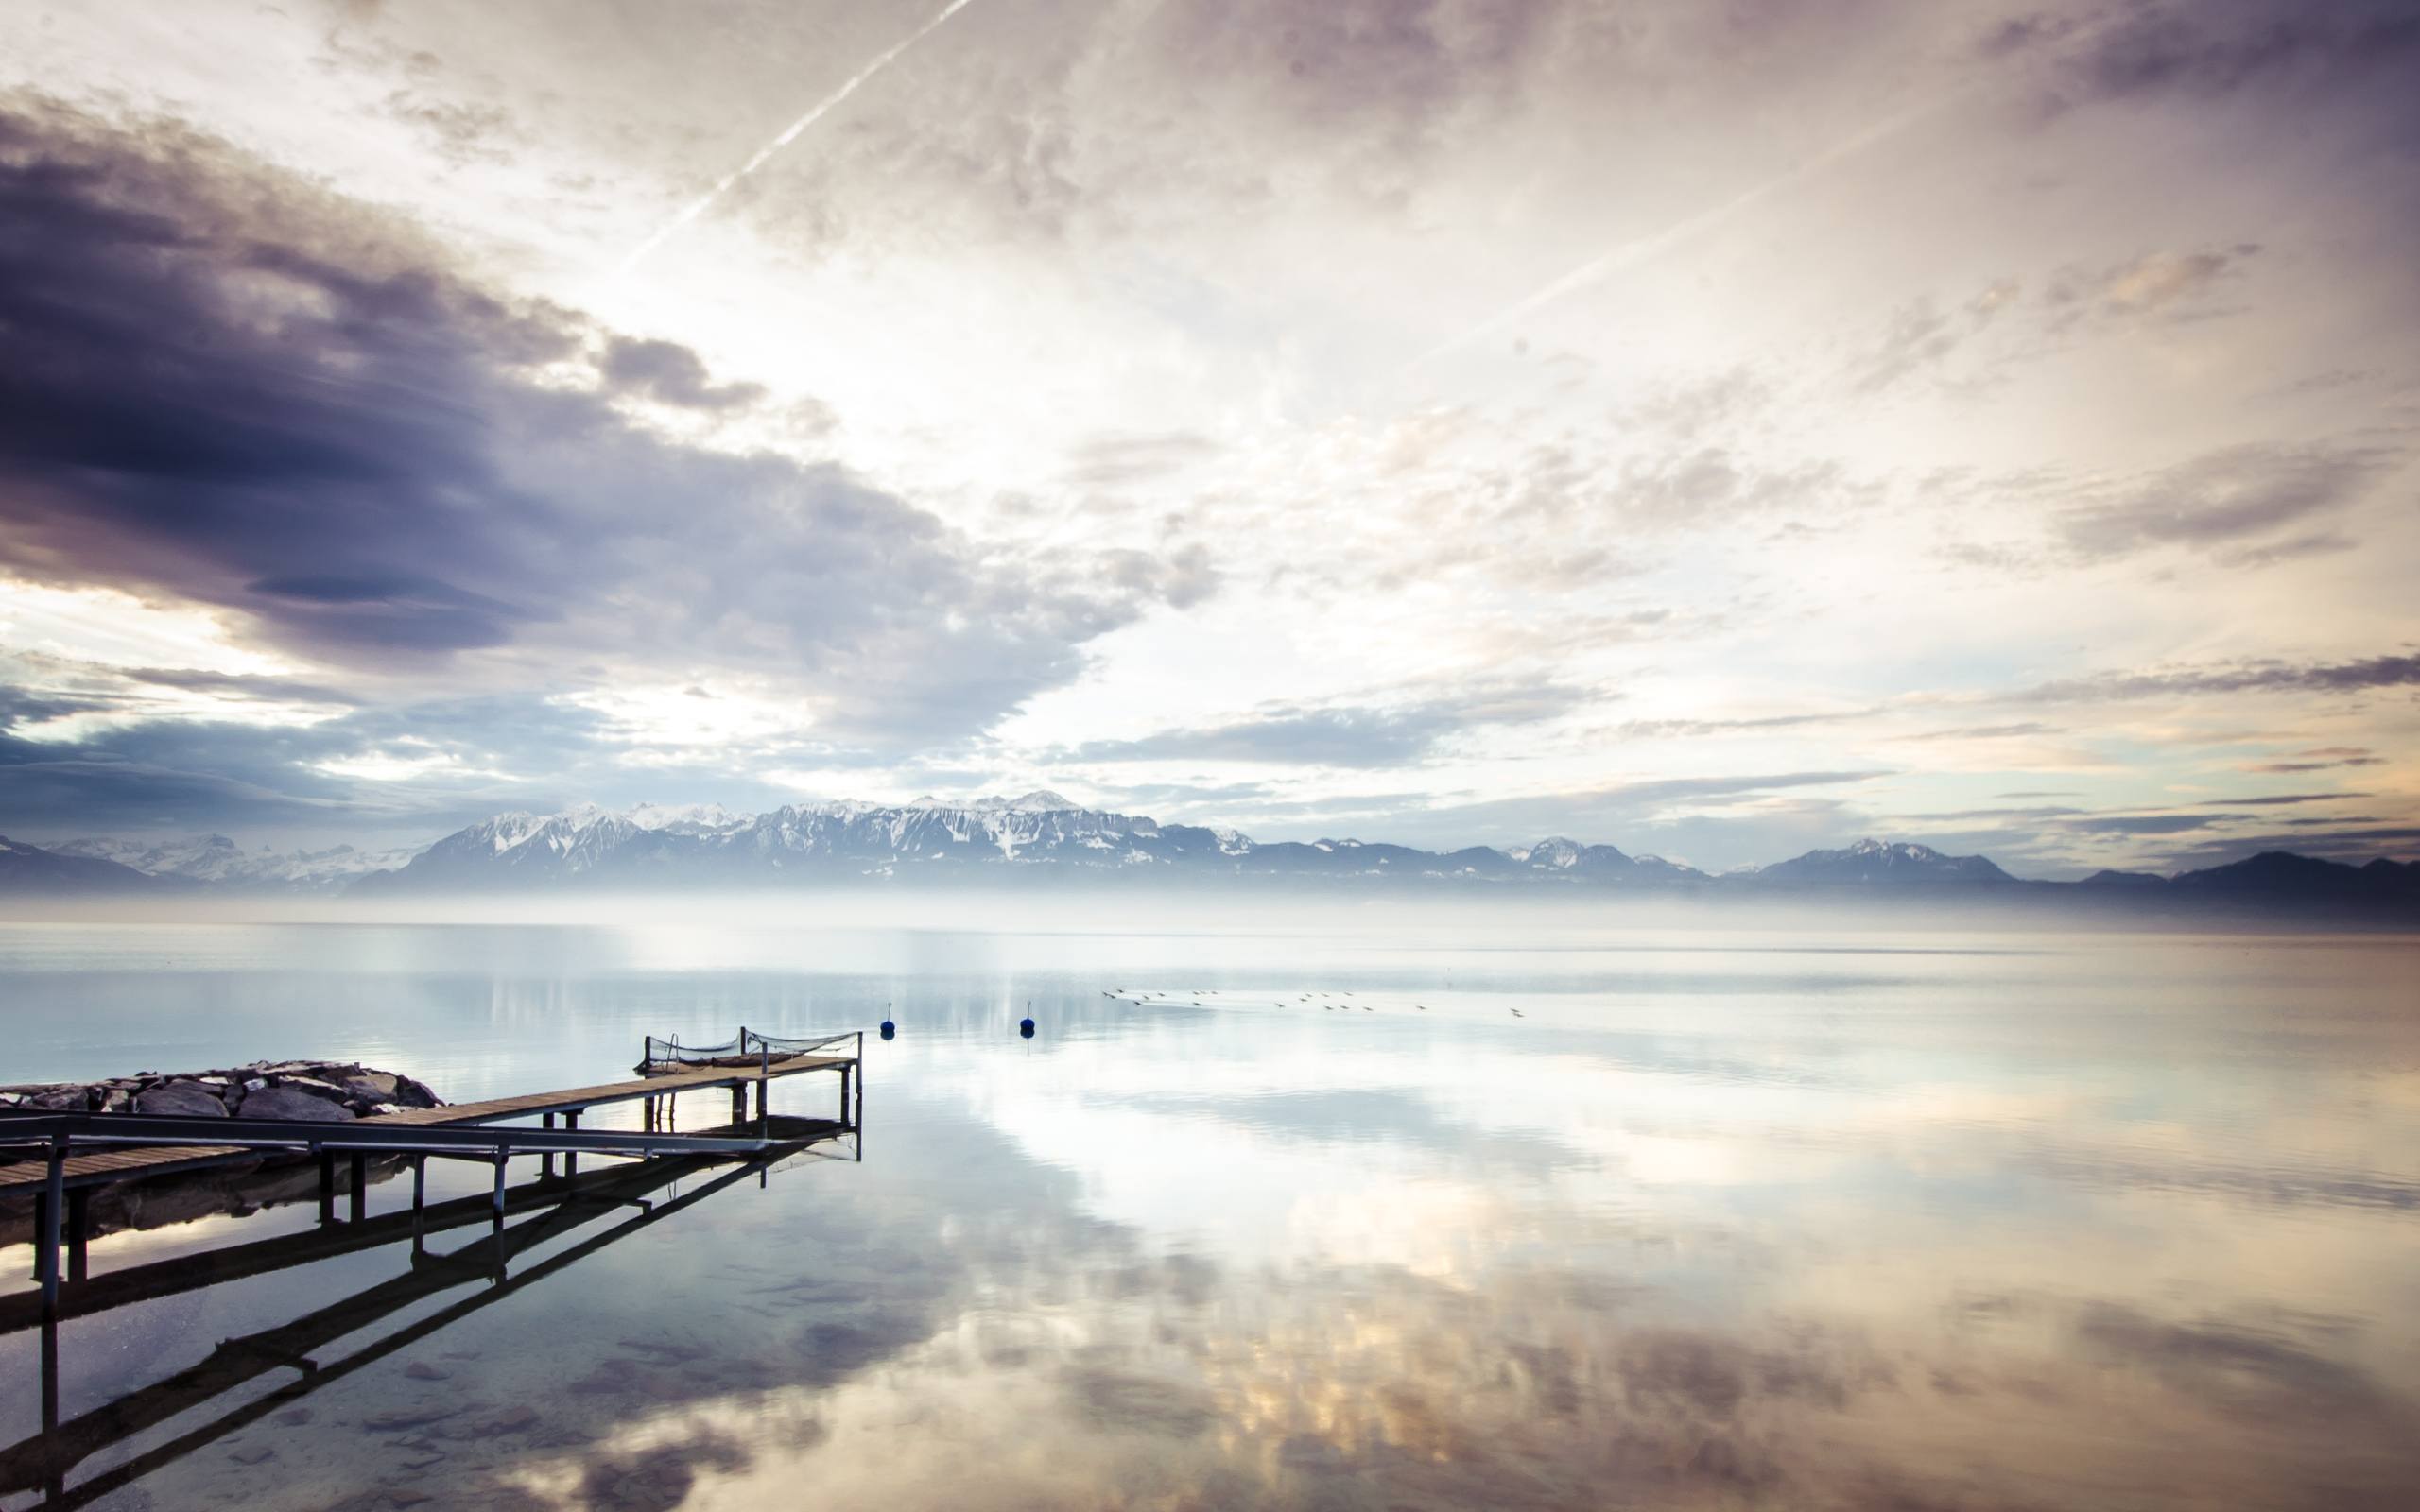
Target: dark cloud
[669, 373]
[2368, 674]
[230, 386]
[2274, 799]
[2221, 499]
[2211, 48]
[2321, 759]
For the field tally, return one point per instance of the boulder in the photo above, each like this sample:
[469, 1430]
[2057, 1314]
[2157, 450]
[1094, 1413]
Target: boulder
[62, 1100]
[290, 1100]
[181, 1099]
[413, 1093]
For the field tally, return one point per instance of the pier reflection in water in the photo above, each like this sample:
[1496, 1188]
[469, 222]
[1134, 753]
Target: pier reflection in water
[1959, 1222]
[568, 1218]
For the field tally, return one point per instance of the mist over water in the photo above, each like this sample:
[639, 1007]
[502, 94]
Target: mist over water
[1364, 1207]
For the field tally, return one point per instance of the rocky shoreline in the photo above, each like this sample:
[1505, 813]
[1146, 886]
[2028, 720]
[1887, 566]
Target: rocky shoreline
[311, 1090]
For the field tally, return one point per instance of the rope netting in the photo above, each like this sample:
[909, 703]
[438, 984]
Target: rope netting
[664, 1055]
[779, 1045]
[672, 1052]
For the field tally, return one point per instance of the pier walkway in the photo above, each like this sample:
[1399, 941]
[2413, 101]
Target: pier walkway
[135, 1146]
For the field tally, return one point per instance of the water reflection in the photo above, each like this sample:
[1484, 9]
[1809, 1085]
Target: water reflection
[2127, 1224]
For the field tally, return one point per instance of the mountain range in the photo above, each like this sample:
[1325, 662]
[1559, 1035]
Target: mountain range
[1042, 837]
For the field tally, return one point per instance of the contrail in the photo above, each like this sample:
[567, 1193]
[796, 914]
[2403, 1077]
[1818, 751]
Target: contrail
[881, 60]
[1631, 253]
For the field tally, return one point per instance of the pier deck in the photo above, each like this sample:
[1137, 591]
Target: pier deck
[101, 1167]
[136, 1146]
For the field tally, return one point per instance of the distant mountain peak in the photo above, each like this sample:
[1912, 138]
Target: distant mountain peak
[1040, 800]
[1873, 862]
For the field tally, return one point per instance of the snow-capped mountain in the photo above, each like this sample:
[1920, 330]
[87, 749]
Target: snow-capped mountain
[1040, 832]
[30, 868]
[1038, 837]
[219, 861]
[1879, 864]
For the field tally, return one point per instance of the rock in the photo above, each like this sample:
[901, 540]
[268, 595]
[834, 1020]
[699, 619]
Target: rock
[366, 1093]
[181, 1099]
[61, 1100]
[511, 1421]
[288, 1100]
[413, 1093]
[396, 1419]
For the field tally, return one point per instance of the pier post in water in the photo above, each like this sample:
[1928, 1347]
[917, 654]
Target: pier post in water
[360, 1174]
[419, 1205]
[497, 1215]
[327, 1185]
[571, 1161]
[547, 1161]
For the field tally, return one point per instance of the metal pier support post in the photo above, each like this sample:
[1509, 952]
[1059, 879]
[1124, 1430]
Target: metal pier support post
[497, 1212]
[54, 1204]
[571, 1161]
[360, 1173]
[844, 1093]
[738, 1102]
[327, 1185]
[79, 1202]
[547, 1161]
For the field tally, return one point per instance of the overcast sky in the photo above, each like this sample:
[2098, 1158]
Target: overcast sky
[1713, 429]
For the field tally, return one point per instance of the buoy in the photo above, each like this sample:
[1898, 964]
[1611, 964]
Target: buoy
[889, 1029]
[1025, 1026]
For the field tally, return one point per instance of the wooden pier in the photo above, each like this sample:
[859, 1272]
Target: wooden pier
[81, 1151]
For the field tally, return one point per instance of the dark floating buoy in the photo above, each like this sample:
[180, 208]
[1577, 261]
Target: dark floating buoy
[890, 1030]
[1025, 1026]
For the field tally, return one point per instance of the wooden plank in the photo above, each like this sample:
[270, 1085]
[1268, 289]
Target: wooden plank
[129, 1164]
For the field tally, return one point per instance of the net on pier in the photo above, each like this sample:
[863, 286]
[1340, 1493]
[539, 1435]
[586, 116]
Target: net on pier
[779, 1046]
[664, 1055]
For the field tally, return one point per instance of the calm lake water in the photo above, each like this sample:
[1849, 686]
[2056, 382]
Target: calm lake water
[1649, 1218]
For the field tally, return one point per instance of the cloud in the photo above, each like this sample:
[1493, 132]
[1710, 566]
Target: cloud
[2364, 674]
[1343, 734]
[1113, 459]
[230, 387]
[2212, 48]
[2268, 799]
[1617, 812]
[2161, 283]
[669, 373]
[2222, 499]
[2319, 759]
